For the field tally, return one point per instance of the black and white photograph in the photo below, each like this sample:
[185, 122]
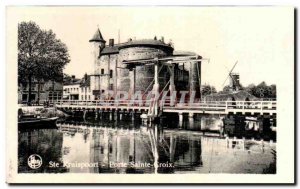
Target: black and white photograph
[150, 94]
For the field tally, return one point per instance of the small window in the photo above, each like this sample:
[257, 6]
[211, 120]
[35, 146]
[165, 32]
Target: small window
[102, 71]
[111, 73]
[24, 97]
[110, 149]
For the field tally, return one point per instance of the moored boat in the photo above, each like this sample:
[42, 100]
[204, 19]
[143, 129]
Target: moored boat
[30, 120]
[33, 121]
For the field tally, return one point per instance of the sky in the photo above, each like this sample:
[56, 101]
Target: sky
[261, 39]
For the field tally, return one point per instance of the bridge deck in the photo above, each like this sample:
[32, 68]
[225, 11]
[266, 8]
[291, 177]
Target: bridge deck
[216, 107]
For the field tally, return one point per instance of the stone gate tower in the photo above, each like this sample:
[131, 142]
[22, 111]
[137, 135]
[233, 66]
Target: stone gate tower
[97, 45]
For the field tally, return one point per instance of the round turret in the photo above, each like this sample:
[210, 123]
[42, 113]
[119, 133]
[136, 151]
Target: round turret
[144, 49]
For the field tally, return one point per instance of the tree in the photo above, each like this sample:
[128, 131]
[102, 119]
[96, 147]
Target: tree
[226, 89]
[40, 55]
[273, 91]
[67, 78]
[262, 90]
[207, 90]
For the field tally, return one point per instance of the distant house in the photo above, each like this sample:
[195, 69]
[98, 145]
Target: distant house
[71, 89]
[85, 88]
[40, 92]
[78, 89]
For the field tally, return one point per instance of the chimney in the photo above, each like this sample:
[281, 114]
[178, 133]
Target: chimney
[111, 42]
[162, 39]
[73, 78]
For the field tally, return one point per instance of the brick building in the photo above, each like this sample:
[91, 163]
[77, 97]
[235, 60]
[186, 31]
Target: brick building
[43, 91]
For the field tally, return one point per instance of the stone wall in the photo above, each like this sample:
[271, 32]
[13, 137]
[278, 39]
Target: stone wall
[144, 74]
[136, 53]
[120, 80]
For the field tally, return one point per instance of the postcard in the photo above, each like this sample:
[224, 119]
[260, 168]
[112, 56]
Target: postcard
[166, 94]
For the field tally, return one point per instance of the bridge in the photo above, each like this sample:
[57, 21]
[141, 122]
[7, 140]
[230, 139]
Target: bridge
[144, 106]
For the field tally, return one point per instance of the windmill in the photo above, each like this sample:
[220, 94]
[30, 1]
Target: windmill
[234, 79]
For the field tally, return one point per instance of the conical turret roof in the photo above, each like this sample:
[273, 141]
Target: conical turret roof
[97, 37]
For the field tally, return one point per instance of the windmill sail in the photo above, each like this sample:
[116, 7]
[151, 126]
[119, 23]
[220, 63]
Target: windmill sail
[229, 75]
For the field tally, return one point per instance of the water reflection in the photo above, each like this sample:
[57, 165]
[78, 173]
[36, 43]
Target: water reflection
[130, 148]
[47, 142]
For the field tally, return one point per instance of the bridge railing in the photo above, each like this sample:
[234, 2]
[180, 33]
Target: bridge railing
[113, 103]
[215, 105]
[255, 105]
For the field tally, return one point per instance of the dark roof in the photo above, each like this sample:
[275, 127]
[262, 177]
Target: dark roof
[85, 81]
[145, 42]
[97, 37]
[110, 50]
[73, 82]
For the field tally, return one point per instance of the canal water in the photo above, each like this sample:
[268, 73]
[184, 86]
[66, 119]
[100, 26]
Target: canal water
[102, 146]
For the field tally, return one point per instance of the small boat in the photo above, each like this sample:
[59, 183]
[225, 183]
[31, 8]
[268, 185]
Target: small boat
[33, 121]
